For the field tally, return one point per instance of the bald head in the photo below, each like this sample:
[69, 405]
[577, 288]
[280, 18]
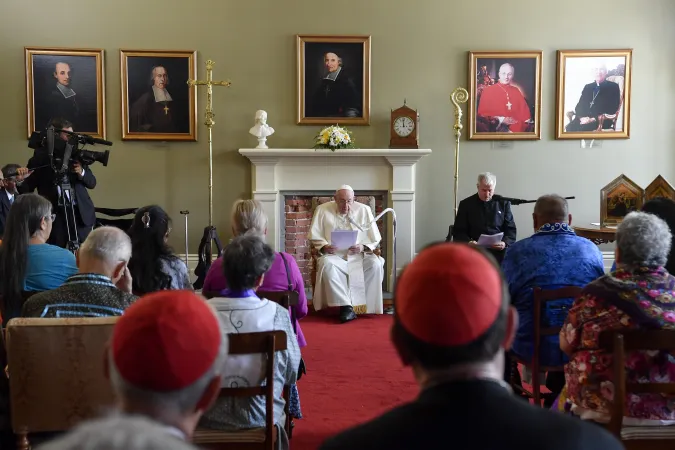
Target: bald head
[551, 209]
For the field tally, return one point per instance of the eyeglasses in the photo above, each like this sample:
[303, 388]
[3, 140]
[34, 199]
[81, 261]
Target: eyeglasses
[344, 202]
[51, 216]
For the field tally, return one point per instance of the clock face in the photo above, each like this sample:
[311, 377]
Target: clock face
[403, 126]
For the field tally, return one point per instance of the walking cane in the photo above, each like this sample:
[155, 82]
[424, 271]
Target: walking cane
[185, 213]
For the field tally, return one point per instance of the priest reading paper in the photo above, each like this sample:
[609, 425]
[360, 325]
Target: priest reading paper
[349, 274]
[485, 219]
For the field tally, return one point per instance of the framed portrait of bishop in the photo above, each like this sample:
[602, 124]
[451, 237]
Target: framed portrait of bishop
[157, 103]
[505, 97]
[593, 94]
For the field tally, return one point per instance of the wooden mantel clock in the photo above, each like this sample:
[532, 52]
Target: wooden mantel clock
[404, 128]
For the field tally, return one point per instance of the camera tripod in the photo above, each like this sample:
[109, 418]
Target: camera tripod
[65, 205]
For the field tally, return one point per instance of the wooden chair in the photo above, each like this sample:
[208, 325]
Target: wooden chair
[56, 374]
[620, 343]
[267, 342]
[541, 297]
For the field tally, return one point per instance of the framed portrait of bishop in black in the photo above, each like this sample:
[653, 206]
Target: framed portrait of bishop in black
[157, 103]
[65, 83]
[333, 80]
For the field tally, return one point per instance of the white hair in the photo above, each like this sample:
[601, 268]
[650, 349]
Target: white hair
[118, 432]
[488, 178]
[173, 405]
[507, 64]
[107, 244]
[643, 239]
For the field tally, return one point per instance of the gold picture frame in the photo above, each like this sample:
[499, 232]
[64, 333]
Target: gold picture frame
[65, 83]
[157, 103]
[347, 100]
[593, 94]
[659, 187]
[495, 94]
[621, 196]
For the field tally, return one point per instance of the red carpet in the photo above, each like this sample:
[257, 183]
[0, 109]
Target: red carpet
[353, 375]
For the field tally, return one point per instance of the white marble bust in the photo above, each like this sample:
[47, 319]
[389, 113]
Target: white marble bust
[261, 130]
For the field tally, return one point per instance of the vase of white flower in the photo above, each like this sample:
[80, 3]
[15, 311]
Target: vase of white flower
[334, 138]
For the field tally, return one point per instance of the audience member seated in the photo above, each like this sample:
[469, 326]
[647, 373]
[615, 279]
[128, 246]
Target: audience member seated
[248, 217]
[119, 432]
[153, 265]
[27, 262]
[101, 288]
[9, 179]
[553, 257]
[165, 359]
[637, 296]
[665, 209]
[452, 324]
[245, 261]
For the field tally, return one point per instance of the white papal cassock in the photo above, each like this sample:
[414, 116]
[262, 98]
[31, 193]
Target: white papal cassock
[342, 280]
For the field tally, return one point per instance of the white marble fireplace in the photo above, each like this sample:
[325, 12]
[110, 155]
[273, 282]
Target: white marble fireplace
[277, 170]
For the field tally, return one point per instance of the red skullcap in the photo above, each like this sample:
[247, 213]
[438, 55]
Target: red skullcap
[449, 295]
[165, 341]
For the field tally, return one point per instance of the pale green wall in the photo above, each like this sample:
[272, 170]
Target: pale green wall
[419, 52]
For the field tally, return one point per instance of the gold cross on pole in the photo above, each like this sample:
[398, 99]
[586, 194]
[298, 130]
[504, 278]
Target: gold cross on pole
[209, 115]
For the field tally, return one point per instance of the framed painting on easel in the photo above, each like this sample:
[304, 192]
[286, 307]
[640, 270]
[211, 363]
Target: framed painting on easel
[617, 199]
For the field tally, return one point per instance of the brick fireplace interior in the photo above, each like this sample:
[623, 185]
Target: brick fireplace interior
[297, 218]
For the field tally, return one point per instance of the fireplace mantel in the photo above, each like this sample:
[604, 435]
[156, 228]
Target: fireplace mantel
[279, 170]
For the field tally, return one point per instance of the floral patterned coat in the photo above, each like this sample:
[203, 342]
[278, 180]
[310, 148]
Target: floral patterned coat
[640, 298]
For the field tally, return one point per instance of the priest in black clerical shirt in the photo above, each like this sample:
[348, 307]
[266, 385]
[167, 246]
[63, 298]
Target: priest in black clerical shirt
[597, 98]
[485, 213]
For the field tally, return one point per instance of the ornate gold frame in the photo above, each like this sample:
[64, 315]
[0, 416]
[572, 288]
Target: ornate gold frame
[620, 181]
[561, 114]
[31, 52]
[659, 187]
[191, 56]
[473, 70]
[301, 119]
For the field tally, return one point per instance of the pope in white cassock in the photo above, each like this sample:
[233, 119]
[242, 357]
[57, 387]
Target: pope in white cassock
[349, 278]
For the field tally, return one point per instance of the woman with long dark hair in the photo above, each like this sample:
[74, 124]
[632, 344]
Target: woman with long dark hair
[153, 265]
[27, 262]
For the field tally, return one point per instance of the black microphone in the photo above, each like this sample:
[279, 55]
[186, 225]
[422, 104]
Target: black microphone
[520, 201]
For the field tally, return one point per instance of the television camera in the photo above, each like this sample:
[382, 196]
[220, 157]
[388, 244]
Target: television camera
[51, 151]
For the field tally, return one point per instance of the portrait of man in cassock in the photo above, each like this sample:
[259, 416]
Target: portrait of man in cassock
[599, 97]
[337, 94]
[158, 103]
[348, 278]
[503, 106]
[153, 111]
[66, 87]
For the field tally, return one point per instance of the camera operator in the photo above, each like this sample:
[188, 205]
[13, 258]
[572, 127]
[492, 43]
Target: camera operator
[12, 175]
[80, 177]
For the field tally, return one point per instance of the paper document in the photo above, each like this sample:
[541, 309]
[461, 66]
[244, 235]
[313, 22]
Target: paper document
[487, 240]
[343, 239]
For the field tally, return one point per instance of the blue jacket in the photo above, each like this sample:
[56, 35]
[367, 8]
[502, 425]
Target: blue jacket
[553, 257]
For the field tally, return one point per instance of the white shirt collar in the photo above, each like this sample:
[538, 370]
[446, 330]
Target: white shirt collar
[65, 90]
[161, 95]
[9, 194]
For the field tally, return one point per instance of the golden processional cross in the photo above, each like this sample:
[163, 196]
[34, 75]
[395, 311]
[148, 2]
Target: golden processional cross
[209, 122]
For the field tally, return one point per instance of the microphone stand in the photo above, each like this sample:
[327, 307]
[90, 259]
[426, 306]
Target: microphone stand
[520, 201]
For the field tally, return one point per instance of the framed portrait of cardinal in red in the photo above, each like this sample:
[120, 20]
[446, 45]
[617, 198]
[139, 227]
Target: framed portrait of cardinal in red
[505, 101]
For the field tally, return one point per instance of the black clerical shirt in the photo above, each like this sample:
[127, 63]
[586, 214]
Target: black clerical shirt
[476, 217]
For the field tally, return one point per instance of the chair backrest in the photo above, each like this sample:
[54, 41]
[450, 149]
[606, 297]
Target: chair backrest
[541, 297]
[284, 298]
[622, 342]
[267, 343]
[56, 371]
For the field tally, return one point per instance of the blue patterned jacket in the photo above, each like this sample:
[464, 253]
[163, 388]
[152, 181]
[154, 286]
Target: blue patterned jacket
[551, 258]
